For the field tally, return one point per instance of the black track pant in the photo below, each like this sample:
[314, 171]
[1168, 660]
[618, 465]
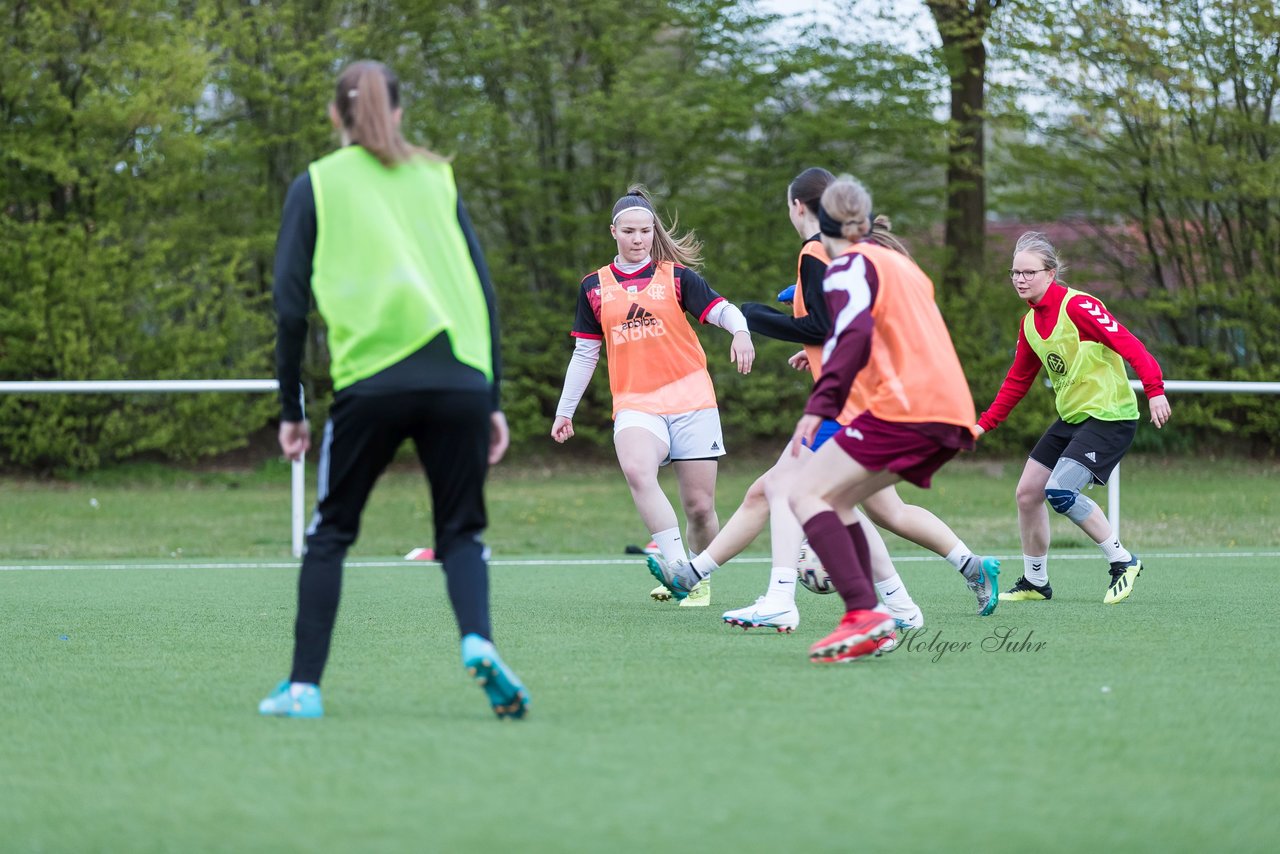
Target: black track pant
[450, 430]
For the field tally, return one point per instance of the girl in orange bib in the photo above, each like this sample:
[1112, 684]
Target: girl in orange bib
[888, 336]
[767, 501]
[664, 406]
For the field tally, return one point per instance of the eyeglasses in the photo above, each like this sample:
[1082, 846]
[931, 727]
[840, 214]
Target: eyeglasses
[1026, 274]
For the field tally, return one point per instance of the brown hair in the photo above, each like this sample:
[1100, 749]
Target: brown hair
[367, 95]
[807, 187]
[848, 202]
[685, 249]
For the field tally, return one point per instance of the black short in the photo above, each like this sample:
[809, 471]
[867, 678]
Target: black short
[1096, 445]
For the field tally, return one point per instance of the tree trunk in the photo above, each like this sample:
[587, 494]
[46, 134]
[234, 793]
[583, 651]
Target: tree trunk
[962, 25]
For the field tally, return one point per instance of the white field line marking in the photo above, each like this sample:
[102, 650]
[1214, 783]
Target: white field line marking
[627, 561]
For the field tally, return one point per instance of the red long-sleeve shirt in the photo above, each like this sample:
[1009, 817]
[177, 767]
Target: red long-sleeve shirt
[1097, 325]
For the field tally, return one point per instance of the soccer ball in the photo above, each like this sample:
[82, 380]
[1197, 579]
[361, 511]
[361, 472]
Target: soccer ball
[811, 573]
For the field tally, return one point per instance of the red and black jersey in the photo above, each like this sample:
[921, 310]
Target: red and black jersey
[692, 293]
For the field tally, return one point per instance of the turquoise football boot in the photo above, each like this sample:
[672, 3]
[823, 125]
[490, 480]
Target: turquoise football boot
[506, 693]
[283, 702]
[982, 574]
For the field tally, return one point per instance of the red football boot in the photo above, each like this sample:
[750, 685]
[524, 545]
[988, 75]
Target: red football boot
[859, 634]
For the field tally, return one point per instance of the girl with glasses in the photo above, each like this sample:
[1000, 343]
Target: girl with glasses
[1083, 348]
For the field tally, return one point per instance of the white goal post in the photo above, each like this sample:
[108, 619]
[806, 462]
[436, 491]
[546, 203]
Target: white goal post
[297, 498]
[1190, 386]
[298, 486]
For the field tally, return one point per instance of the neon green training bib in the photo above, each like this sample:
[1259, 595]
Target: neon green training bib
[391, 268]
[1088, 378]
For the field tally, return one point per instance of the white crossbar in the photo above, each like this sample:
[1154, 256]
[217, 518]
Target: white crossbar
[299, 475]
[1190, 386]
[131, 386]
[298, 480]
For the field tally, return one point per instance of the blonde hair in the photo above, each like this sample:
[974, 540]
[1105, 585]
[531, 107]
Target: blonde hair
[1038, 244]
[848, 202]
[684, 249]
[368, 93]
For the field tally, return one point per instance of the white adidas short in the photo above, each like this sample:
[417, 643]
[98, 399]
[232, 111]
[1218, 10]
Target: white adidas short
[688, 435]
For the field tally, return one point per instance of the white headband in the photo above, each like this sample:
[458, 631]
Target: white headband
[644, 208]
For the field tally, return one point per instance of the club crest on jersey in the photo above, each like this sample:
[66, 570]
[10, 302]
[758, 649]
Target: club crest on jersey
[640, 323]
[1056, 363]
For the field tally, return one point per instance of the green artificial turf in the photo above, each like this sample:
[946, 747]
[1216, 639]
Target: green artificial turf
[129, 680]
[128, 710]
[158, 513]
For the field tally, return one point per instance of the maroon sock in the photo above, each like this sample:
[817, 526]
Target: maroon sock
[863, 549]
[844, 553]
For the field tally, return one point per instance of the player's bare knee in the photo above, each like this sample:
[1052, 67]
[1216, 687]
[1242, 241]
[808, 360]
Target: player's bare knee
[639, 475]
[804, 505]
[1029, 497]
[776, 485]
[885, 515]
[700, 512]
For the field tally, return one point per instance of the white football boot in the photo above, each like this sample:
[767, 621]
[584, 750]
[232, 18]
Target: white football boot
[766, 613]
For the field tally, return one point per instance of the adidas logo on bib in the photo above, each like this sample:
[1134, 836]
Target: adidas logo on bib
[640, 323]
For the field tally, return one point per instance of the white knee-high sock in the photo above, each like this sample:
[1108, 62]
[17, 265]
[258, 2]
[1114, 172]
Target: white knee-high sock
[959, 556]
[1115, 552]
[782, 585]
[1036, 569]
[671, 544]
[894, 593]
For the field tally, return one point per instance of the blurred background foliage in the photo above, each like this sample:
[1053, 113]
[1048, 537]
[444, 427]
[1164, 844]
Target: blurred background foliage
[146, 147]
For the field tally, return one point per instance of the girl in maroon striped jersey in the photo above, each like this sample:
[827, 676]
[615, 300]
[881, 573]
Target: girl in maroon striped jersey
[1081, 345]
[766, 501]
[889, 343]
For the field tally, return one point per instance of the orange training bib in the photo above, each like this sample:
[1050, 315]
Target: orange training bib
[656, 363]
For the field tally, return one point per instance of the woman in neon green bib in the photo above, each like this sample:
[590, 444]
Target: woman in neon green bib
[376, 235]
[1083, 348]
